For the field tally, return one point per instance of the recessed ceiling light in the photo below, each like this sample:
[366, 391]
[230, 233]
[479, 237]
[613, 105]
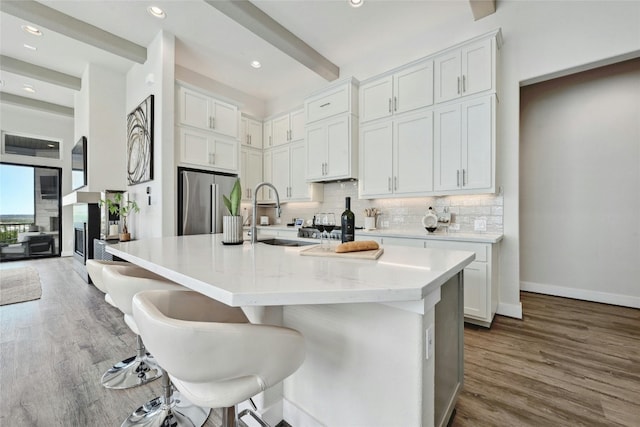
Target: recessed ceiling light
[355, 3]
[31, 30]
[256, 64]
[28, 46]
[28, 88]
[157, 12]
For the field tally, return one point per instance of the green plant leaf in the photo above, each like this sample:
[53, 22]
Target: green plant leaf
[235, 197]
[227, 203]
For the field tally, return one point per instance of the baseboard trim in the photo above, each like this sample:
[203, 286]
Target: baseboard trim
[510, 310]
[581, 294]
[295, 416]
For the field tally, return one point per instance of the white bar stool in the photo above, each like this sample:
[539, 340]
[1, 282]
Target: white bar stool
[94, 269]
[214, 358]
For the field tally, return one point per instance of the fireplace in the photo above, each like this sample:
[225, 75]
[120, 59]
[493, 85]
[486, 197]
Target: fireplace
[86, 227]
[79, 231]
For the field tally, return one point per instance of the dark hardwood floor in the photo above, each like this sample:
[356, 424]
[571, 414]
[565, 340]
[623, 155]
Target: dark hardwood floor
[568, 363]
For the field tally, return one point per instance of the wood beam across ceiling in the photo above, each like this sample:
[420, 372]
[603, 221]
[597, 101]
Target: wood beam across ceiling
[35, 104]
[26, 69]
[482, 8]
[255, 20]
[69, 26]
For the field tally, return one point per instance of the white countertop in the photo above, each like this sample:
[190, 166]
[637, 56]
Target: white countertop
[413, 234]
[263, 275]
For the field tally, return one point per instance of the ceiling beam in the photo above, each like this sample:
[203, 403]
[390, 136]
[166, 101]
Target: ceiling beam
[69, 26]
[482, 8]
[26, 69]
[35, 104]
[255, 20]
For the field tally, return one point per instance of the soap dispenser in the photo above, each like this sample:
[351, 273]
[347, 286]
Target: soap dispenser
[430, 221]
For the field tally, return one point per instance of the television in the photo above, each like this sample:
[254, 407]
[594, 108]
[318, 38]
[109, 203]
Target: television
[79, 164]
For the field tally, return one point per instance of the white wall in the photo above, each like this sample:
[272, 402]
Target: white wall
[49, 126]
[156, 77]
[580, 185]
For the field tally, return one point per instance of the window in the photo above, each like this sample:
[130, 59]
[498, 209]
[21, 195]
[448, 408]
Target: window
[30, 146]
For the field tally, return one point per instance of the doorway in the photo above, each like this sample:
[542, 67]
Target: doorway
[30, 211]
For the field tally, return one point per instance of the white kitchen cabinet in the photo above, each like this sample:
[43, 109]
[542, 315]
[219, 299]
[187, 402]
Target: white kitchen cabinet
[250, 172]
[267, 139]
[288, 127]
[407, 89]
[396, 156]
[480, 279]
[204, 112]
[464, 146]
[267, 175]
[251, 132]
[208, 149]
[339, 97]
[332, 149]
[288, 174]
[465, 70]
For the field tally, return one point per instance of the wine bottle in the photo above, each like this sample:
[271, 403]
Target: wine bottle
[348, 221]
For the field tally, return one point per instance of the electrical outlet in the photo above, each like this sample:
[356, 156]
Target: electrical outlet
[480, 225]
[429, 342]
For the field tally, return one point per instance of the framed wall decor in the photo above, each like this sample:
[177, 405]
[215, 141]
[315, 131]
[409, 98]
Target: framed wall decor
[140, 143]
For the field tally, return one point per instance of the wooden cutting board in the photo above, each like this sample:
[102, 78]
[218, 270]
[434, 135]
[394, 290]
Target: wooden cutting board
[316, 250]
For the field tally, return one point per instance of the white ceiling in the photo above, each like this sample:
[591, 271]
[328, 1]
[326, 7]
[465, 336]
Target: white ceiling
[211, 44]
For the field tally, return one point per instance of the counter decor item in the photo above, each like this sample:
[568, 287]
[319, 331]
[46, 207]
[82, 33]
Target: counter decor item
[348, 222]
[232, 224]
[370, 216]
[122, 208]
[430, 221]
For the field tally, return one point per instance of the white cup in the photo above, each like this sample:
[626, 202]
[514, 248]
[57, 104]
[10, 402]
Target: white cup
[370, 222]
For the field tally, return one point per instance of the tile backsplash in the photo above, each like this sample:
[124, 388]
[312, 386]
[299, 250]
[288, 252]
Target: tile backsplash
[398, 213]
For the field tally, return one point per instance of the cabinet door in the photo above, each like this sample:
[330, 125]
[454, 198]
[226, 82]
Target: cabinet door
[254, 131]
[280, 130]
[225, 154]
[250, 172]
[475, 290]
[477, 145]
[298, 187]
[476, 67]
[267, 140]
[267, 174]
[375, 99]
[244, 132]
[316, 151]
[194, 109]
[225, 118]
[195, 147]
[338, 148]
[413, 88]
[413, 154]
[447, 149]
[376, 154]
[447, 76]
[296, 123]
[280, 171]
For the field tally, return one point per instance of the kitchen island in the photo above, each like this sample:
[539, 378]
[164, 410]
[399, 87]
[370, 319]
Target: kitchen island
[369, 325]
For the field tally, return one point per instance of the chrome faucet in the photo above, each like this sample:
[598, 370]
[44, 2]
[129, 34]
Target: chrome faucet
[254, 228]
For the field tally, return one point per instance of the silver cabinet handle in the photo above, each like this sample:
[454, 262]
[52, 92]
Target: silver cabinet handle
[389, 104]
[213, 122]
[213, 158]
[325, 105]
[464, 83]
[269, 146]
[389, 183]
[395, 103]
[458, 178]
[395, 183]
[464, 177]
[458, 85]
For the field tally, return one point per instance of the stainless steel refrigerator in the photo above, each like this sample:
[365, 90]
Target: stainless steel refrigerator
[200, 205]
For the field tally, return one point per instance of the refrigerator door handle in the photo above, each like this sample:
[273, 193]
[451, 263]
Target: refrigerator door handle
[185, 202]
[214, 207]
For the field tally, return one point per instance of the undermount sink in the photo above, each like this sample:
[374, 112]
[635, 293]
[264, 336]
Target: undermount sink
[285, 242]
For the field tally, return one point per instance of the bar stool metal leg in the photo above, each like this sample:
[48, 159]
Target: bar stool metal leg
[132, 372]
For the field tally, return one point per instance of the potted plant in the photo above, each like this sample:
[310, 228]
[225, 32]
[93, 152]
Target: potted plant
[232, 223]
[122, 209]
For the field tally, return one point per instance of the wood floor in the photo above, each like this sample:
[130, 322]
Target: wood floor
[568, 363]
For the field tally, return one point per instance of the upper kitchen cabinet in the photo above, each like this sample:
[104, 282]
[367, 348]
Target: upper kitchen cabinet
[208, 150]
[267, 139]
[407, 89]
[288, 127]
[396, 157]
[332, 133]
[467, 69]
[286, 170]
[250, 172]
[204, 112]
[464, 147]
[251, 132]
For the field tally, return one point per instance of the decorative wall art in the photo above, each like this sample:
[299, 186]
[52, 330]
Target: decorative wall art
[140, 143]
